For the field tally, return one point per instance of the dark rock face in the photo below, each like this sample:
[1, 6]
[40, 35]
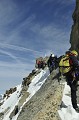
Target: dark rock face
[74, 37]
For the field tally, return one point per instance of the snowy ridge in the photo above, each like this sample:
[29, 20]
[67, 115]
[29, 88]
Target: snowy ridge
[13, 100]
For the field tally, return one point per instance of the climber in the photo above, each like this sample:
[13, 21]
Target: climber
[71, 76]
[51, 62]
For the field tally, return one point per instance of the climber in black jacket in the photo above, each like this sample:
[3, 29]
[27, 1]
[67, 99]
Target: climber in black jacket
[51, 62]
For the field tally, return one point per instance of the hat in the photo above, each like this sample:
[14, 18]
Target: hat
[52, 55]
[74, 52]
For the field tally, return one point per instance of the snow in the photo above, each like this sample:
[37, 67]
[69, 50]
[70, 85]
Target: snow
[37, 82]
[35, 85]
[9, 104]
[68, 113]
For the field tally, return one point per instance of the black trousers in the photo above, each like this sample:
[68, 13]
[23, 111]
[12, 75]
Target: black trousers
[73, 85]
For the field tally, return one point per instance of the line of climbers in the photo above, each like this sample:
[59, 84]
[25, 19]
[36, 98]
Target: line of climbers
[51, 62]
[69, 67]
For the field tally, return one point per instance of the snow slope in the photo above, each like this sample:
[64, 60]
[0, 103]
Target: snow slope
[13, 100]
[10, 103]
[67, 113]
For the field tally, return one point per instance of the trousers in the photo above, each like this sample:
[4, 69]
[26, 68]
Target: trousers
[73, 85]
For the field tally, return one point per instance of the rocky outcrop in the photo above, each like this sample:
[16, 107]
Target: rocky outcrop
[45, 103]
[8, 92]
[14, 112]
[27, 80]
[74, 37]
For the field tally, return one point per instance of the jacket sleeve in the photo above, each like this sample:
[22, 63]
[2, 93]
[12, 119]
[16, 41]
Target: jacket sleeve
[74, 61]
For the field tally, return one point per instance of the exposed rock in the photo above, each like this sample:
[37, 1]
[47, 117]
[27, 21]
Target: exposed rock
[1, 97]
[45, 103]
[14, 112]
[27, 80]
[74, 37]
[1, 115]
[1, 102]
[10, 91]
[23, 98]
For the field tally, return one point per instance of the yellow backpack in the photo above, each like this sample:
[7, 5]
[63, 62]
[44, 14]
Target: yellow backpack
[64, 65]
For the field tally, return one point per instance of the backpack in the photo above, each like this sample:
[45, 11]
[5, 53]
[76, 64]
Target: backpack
[64, 65]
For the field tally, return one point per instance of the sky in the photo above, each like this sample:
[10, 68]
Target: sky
[30, 29]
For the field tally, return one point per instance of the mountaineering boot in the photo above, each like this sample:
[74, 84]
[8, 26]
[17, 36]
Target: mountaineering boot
[77, 109]
[63, 105]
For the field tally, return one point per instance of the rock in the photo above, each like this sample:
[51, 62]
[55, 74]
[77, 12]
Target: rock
[14, 112]
[45, 103]
[1, 115]
[74, 37]
[1, 97]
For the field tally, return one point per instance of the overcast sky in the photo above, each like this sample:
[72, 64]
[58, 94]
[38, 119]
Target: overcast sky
[29, 29]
